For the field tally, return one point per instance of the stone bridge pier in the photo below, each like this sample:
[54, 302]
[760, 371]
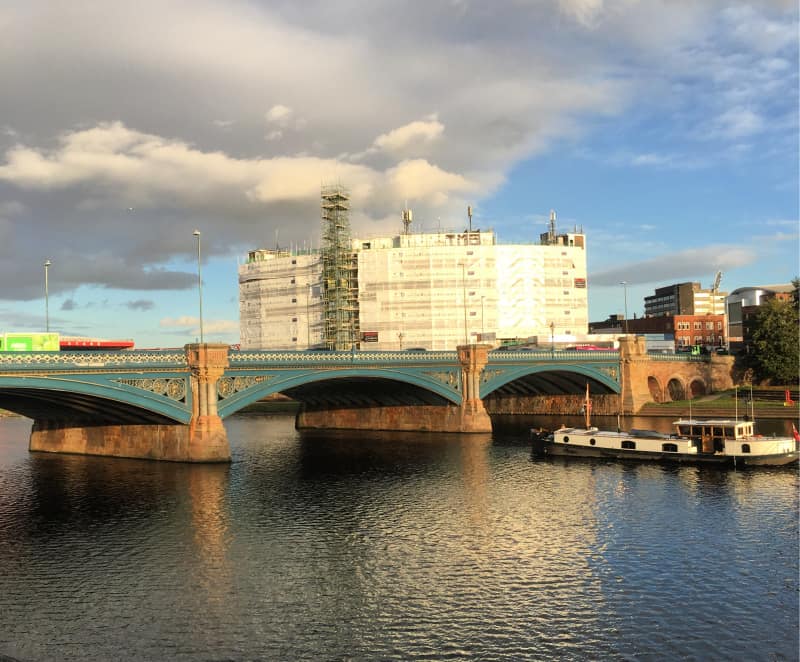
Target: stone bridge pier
[469, 416]
[208, 441]
[203, 440]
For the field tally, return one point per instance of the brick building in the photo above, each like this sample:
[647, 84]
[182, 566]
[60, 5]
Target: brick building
[687, 330]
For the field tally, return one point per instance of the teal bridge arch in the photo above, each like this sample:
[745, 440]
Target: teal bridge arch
[155, 386]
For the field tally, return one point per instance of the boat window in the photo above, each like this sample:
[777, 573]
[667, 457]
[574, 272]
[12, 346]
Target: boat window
[669, 448]
[729, 433]
[684, 430]
[697, 431]
[717, 432]
[628, 444]
[745, 448]
[566, 439]
[592, 442]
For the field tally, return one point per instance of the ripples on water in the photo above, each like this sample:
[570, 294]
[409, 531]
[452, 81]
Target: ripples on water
[391, 547]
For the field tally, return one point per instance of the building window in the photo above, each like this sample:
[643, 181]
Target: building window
[710, 326]
[698, 325]
[294, 300]
[294, 261]
[628, 444]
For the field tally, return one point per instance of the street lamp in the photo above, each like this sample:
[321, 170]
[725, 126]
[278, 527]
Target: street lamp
[47, 264]
[464, 294]
[625, 294]
[552, 338]
[196, 233]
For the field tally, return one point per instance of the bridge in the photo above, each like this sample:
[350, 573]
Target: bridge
[170, 405]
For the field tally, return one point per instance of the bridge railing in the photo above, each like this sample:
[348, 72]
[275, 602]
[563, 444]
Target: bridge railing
[657, 356]
[342, 357]
[552, 355]
[10, 361]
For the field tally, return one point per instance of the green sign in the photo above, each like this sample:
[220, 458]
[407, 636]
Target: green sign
[30, 342]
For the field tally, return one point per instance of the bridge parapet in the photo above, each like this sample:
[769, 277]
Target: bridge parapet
[15, 361]
[360, 357]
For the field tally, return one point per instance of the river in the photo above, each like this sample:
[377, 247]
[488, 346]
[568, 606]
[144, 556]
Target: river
[390, 546]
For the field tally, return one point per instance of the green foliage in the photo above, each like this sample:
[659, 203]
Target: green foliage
[776, 341]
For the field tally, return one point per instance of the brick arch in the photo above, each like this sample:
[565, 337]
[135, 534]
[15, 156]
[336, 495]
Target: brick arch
[676, 389]
[655, 388]
[697, 387]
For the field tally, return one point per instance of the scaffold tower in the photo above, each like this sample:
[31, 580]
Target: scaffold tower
[339, 271]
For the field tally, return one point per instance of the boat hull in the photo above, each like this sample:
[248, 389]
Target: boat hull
[544, 447]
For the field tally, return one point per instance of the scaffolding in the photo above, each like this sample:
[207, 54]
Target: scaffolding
[339, 271]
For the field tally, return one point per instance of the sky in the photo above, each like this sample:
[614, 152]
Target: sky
[667, 130]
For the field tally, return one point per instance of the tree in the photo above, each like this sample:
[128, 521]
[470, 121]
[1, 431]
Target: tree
[776, 342]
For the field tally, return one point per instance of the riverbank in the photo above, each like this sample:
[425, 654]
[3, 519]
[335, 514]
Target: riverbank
[766, 402]
[721, 408]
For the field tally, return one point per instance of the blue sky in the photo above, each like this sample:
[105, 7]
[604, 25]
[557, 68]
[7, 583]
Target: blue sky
[667, 130]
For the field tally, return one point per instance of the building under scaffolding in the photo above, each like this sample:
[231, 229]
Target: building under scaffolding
[339, 271]
[432, 290]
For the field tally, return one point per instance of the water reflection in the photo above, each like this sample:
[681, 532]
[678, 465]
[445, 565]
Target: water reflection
[207, 486]
[393, 547]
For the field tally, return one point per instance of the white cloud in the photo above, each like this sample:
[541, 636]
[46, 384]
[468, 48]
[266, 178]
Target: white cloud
[221, 326]
[279, 114]
[651, 159]
[738, 123]
[414, 133]
[583, 11]
[185, 321]
[145, 170]
[679, 266]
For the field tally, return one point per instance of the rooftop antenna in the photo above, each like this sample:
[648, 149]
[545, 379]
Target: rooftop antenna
[407, 218]
[469, 213]
[552, 230]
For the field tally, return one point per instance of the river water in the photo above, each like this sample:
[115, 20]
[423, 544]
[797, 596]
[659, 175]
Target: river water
[392, 547]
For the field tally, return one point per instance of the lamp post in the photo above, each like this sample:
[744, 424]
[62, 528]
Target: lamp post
[196, 233]
[552, 338]
[625, 295]
[47, 264]
[464, 294]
